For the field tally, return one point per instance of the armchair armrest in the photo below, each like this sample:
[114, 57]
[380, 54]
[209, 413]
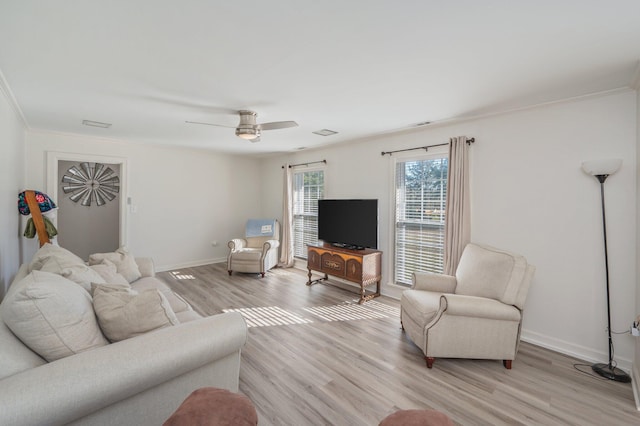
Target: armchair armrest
[478, 307]
[268, 245]
[73, 387]
[237, 244]
[146, 266]
[428, 281]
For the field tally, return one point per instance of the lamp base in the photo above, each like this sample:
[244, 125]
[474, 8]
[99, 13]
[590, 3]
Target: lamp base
[610, 372]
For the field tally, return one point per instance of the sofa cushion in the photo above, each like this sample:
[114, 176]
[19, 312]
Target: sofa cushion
[15, 355]
[178, 304]
[52, 315]
[123, 312]
[49, 250]
[109, 273]
[124, 261]
[57, 260]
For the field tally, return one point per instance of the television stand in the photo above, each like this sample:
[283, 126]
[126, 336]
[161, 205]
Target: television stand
[359, 266]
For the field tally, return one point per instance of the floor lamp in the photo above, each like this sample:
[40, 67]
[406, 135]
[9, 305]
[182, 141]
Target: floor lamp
[601, 169]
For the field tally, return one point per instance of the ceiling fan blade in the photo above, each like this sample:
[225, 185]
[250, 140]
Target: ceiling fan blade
[278, 125]
[210, 124]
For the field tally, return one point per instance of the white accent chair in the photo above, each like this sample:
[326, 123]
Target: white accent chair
[475, 314]
[257, 252]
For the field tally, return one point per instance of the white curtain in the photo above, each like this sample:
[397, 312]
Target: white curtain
[286, 243]
[457, 231]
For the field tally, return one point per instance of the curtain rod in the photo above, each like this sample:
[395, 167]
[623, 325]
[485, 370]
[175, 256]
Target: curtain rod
[306, 164]
[426, 148]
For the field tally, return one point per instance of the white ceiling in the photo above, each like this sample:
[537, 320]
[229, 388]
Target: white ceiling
[359, 67]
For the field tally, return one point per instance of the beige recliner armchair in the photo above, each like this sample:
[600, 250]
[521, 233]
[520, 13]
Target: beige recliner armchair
[475, 314]
[257, 252]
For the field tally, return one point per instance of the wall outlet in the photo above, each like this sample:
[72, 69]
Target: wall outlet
[635, 331]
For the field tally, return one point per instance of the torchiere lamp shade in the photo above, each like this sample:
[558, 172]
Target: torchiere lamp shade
[602, 167]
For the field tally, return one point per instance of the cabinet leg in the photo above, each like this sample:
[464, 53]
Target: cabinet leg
[311, 281]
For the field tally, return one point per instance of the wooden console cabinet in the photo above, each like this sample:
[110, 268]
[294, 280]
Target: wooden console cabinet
[358, 266]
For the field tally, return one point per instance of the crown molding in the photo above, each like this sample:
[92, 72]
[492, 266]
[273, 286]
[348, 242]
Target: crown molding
[8, 94]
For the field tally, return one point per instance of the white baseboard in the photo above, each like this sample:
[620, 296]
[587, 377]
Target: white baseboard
[635, 380]
[576, 351]
[163, 268]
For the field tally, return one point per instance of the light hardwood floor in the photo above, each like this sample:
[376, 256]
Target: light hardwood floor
[337, 363]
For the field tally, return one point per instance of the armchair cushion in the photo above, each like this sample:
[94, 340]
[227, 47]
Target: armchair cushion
[488, 272]
[421, 306]
[249, 253]
[479, 307]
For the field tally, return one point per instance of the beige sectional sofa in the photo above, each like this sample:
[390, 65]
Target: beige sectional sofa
[140, 380]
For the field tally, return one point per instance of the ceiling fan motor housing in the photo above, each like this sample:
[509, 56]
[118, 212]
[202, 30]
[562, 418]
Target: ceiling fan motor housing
[248, 129]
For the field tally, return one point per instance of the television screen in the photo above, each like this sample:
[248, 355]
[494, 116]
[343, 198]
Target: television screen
[348, 223]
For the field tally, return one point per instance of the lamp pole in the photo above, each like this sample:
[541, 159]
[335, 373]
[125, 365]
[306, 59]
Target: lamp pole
[608, 371]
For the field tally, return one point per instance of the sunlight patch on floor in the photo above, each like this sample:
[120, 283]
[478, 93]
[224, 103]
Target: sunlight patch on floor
[268, 316]
[345, 312]
[180, 276]
[382, 307]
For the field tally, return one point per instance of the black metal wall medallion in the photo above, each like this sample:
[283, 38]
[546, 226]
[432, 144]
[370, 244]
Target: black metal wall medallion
[91, 183]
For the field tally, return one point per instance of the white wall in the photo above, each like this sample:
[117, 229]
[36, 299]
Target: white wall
[12, 179]
[185, 199]
[530, 196]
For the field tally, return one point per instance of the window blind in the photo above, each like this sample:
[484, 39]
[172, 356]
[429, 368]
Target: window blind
[421, 194]
[308, 189]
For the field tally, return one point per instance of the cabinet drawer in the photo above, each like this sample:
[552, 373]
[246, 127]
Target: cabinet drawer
[333, 264]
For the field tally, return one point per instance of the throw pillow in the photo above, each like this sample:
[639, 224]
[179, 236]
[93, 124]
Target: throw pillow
[49, 250]
[124, 313]
[124, 261]
[57, 260]
[52, 315]
[109, 273]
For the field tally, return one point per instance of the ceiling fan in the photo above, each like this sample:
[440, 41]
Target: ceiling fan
[248, 128]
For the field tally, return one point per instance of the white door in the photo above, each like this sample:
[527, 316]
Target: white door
[90, 194]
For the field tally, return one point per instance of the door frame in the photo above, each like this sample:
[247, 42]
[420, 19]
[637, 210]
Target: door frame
[53, 159]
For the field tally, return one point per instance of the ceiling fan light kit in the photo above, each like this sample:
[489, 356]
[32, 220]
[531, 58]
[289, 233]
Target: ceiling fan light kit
[249, 129]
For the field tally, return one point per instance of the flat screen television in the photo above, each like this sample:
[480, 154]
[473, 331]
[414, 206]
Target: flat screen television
[348, 223]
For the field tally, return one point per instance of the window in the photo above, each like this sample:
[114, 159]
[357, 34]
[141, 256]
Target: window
[308, 188]
[421, 194]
